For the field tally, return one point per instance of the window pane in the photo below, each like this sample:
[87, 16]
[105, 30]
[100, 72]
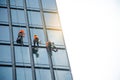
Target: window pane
[24, 74]
[49, 4]
[40, 34]
[18, 17]
[3, 3]
[41, 57]
[6, 37]
[55, 36]
[5, 73]
[15, 34]
[42, 74]
[16, 3]
[22, 55]
[5, 54]
[63, 75]
[60, 59]
[3, 15]
[52, 20]
[34, 19]
[32, 4]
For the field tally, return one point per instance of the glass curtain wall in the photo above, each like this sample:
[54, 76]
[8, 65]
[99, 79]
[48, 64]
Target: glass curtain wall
[19, 61]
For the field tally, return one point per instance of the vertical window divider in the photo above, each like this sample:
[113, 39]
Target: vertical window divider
[11, 40]
[46, 39]
[29, 41]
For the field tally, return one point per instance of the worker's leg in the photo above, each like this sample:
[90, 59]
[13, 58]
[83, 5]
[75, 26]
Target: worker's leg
[49, 50]
[34, 42]
[37, 42]
[21, 40]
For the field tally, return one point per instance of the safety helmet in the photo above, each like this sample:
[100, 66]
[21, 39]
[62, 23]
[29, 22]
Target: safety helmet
[35, 34]
[22, 30]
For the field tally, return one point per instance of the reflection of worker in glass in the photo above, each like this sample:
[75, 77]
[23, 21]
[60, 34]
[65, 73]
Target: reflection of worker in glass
[21, 34]
[51, 47]
[35, 51]
[36, 40]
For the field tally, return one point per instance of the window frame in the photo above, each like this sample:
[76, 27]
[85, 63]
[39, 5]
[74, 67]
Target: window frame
[5, 21]
[7, 34]
[32, 20]
[8, 59]
[21, 59]
[16, 19]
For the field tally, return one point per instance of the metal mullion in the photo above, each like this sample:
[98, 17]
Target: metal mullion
[46, 39]
[43, 20]
[11, 41]
[29, 41]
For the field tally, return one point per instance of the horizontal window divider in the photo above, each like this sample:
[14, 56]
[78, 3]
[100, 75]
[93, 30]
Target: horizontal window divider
[23, 66]
[17, 8]
[3, 6]
[58, 29]
[35, 27]
[6, 65]
[21, 45]
[4, 24]
[39, 46]
[5, 44]
[61, 69]
[18, 26]
[33, 10]
[42, 67]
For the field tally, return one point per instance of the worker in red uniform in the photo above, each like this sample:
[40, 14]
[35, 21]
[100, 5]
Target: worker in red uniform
[21, 34]
[51, 47]
[36, 40]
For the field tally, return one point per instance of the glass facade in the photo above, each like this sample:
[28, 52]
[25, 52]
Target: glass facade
[19, 62]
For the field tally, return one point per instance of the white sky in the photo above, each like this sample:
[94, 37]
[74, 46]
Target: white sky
[92, 36]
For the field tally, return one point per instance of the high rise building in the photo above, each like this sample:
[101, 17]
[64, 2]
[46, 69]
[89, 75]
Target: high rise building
[18, 62]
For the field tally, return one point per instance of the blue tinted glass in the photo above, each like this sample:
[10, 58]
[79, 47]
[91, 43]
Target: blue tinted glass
[49, 4]
[34, 19]
[40, 34]
[32, 4]
[16, 3]
[2, 2]
[22, 55]
[5, 73]
[6, 37]
[5, 54]
[3, 15]
[41, 57]
[56, 37]
[15, 34]
[60, 59]
[24, 74]
[63, 75]
[52, 20]
[18, 17]
[42, 74]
